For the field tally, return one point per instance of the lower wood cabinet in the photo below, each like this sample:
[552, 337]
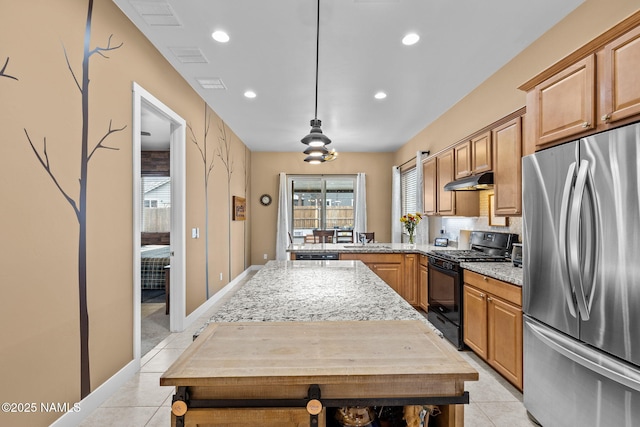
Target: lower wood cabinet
[423, 283]
[397, 270]
[492, 322]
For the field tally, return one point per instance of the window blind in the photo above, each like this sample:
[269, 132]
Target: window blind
[408, 190]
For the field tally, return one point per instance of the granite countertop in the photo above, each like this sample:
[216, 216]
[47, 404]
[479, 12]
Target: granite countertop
[305, 291]
[504, 271]
[360, 248]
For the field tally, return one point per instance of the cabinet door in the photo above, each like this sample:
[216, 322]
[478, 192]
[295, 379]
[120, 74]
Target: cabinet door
[391, 273]
[462, 157]
[423, 286]
[475, 320]
[507, 174]
[430, 178]
[410, 284]
[565, 103]
[621, 88]
[445, 169]
[505, 339]
[481, 158]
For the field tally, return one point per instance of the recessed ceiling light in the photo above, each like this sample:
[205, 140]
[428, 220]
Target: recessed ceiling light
[220, 36]
[380, 95]
[410, 39]
[250, 94]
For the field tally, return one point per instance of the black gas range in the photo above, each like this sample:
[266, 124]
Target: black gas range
[446, 281]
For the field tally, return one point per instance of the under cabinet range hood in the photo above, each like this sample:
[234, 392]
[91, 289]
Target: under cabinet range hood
[481, 181]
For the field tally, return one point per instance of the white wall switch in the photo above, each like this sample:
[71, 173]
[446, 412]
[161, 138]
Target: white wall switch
[195, 233]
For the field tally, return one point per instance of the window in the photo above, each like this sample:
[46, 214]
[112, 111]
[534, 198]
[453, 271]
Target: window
[156, 204]
[408, 189]
[321, 202]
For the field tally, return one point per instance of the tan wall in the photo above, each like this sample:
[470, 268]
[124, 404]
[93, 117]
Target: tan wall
[264, 180]
[499, 95]
[39, 231]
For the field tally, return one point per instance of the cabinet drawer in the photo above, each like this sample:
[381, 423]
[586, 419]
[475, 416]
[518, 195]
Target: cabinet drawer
[504, 290]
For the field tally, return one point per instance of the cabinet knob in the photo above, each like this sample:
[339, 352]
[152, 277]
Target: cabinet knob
[489, 299]
[485, 278]
[606, 118]
[586, 125]
[482, 296]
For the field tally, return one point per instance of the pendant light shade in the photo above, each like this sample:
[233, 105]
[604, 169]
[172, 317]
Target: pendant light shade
[316, 140]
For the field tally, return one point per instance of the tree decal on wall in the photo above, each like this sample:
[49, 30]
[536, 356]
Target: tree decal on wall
[224, 152]
[79, 205]
[3, 71]
[208, 167]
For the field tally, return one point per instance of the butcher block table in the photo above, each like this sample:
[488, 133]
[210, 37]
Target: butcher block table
[286, 373]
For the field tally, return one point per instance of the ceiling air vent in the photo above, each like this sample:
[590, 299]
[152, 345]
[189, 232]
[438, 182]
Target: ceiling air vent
[156, 14]
[189, 55]
[212, 83]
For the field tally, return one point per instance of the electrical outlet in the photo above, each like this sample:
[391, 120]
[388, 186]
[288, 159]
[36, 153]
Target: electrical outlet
[220, 276]
[264, 256]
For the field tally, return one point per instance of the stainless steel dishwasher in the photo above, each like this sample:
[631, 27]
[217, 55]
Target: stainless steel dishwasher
[317, 256]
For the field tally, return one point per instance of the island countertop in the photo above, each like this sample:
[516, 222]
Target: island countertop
[315, 291]
[329, 324]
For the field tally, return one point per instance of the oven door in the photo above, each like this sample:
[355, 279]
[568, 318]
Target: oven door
[444, 292]
[445, 303]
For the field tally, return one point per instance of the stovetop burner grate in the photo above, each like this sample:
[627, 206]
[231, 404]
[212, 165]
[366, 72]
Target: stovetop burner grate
[468, 255]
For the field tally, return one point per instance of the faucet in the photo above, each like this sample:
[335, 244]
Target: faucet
[363, 238]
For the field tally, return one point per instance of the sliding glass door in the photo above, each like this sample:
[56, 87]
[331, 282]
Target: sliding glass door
[321, 203]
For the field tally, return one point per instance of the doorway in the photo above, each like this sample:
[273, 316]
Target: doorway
[150, 116]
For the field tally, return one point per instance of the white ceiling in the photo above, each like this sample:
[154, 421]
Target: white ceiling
[272, 52]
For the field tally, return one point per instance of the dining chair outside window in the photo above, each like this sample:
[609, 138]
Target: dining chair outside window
[344, 236]
[324, 236]
[368, 237]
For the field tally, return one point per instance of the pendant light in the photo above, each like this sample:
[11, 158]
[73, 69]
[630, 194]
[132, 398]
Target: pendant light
[316, 140]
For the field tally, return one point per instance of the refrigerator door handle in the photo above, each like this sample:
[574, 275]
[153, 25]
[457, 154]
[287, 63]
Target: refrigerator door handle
[562, 239]
[593, 360]
[574, 239]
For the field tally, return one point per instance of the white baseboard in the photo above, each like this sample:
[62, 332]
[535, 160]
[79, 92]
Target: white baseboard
[98, 396]
[200, 311]
[113, 384]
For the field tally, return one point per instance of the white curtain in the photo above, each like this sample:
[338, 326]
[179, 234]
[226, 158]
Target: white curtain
[396, 209]
[422, 231]
[282, 230]
[360, 220]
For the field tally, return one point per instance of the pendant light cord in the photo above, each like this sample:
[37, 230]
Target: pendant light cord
[317, 53]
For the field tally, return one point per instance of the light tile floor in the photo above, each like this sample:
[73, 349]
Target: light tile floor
[143, 402]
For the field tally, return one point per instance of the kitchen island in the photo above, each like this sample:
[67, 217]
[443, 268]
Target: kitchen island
[332, 324]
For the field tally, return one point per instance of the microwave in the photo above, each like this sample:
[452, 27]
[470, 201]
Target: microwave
[516, 255]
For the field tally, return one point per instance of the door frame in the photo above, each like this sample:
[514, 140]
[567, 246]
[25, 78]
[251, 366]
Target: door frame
[177, 312]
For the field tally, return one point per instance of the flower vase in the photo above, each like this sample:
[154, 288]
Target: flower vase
[411, 238]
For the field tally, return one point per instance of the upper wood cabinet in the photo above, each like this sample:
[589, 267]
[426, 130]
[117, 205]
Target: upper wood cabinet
[474, 156]
[620, 86]
[565, 102]
[439, 170]
[507, 173]
[481, 156]
[462, 157]
[593, 89]
[446, 174]
[430, 182]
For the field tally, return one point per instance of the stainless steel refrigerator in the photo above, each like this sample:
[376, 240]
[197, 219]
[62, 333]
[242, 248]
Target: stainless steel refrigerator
[581, 291]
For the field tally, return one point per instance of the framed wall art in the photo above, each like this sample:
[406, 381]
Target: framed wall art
[239, 208]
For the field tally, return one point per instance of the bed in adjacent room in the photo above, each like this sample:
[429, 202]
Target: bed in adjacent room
[153, 260]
